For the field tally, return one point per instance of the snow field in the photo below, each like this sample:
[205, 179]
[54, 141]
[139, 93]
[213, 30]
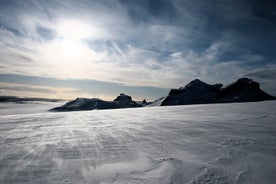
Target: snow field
[218, 143]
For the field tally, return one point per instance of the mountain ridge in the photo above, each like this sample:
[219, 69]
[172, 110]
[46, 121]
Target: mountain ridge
[121, 101]
[15, 99]
[198, 92]
[195, 92]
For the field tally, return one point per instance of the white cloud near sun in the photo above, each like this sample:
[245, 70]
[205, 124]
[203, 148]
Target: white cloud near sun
[92, 41]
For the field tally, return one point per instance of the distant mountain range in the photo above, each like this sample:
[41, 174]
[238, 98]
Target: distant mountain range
[196, 92]
[4, 99]
[122, 101]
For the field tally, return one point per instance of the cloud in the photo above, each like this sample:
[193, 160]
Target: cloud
[21, 90]
[267, 72]
[145, 43]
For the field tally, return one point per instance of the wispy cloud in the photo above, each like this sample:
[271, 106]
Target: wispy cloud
[145, 43]
[21, 90]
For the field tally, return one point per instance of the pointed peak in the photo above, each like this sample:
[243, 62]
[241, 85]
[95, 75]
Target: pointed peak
[196, 82]
[123, 97]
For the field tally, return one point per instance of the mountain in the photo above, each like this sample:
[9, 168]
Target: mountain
[243, 90]
[198, 92]
[121, 101]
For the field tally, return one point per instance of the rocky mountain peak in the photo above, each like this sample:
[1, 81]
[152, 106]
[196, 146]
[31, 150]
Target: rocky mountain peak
[123, 98]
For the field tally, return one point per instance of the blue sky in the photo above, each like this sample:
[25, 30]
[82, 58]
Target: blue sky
[70, 48]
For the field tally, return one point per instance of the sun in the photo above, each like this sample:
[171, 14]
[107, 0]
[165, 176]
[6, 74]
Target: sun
[74, 30]
[70, 53]
[70, 40]
[71, 48]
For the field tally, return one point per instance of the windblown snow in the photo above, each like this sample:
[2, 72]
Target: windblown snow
[218, 143]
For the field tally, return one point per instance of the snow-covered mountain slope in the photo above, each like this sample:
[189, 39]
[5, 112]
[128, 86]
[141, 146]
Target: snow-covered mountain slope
[157, 102]
[198, 92]
[122, 101]
[218, 143]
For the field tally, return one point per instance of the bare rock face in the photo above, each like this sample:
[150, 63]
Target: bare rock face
[126, 101]
[122, 98]
[243, 90]
[198, 92]
[122, 101]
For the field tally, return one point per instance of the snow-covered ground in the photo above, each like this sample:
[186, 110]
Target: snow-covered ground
[218, 143]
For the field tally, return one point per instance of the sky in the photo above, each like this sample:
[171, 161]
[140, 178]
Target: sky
[85, 48]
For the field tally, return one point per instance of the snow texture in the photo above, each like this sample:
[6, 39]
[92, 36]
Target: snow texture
[193, 144]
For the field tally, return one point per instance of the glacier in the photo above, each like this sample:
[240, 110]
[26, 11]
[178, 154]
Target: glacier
[193, 144]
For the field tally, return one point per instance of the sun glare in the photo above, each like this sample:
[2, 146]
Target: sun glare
[71, 48]
[74, 30]
[70, 38]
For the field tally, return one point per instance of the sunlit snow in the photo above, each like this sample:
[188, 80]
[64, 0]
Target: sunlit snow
[218, 143]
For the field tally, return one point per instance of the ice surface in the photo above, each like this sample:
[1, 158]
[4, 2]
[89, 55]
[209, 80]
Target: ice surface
[218, 143]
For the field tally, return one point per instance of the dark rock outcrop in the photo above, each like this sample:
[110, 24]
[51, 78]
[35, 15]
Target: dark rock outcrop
[122, 101]
[243, 90]
[198, 92]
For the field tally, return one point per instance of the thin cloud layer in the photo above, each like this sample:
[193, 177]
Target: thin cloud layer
[146, 43]
[22, 90]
